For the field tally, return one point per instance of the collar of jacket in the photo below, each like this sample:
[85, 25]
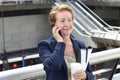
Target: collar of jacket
[76, 46]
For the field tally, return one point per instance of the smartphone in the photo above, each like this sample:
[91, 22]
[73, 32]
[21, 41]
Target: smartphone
[59, 32]
[52, 25]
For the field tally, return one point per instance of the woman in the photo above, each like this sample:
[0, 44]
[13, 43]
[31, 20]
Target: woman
[61, 48]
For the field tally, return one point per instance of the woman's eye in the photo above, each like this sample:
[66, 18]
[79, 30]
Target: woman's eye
[63, 21]
[69, 20]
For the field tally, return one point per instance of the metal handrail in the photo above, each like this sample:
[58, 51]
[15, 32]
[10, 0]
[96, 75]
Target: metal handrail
[22, 73]
[106, 55]
[37, 70]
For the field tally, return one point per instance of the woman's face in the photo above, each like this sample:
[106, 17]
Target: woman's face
[65, 22]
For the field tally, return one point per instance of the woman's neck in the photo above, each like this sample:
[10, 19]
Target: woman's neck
[67, 39]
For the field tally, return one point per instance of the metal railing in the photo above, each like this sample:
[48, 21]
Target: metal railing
[37, 70]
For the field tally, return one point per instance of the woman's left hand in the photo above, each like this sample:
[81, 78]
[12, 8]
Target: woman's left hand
[80, 75]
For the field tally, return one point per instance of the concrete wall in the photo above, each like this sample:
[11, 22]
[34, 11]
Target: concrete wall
[1, 36]
[22, 32]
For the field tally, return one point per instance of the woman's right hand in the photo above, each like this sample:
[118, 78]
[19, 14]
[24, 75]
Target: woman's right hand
[80, 75]
[56, 34]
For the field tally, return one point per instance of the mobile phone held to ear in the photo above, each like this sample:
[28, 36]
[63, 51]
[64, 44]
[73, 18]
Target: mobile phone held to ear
[59, 32]
[52, 25]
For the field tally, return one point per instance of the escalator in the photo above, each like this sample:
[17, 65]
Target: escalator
[88, 18]
[96, 17]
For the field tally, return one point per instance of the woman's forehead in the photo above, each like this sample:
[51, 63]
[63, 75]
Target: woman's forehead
[63, 13]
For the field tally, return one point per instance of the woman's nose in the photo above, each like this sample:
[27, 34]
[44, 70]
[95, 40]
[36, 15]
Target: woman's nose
[66, 24]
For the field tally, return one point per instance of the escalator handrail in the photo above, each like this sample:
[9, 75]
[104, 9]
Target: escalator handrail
[91, 12]
[92, 17]
[77, 18]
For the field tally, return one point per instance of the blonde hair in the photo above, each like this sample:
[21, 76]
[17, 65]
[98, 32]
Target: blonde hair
[63, 7]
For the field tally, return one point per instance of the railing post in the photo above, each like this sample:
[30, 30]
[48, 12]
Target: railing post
[114, 69]
[5, 62]
[23, 60]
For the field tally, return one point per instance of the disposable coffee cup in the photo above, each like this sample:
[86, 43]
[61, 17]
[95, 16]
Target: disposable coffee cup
[75, 67]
